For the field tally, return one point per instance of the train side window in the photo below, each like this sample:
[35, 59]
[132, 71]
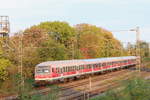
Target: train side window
[72, 68]
[94, 66]
[82, 66]
[61, 70]
[110, 63]
[88, 66]
[99, 65]
[79, 67]
[52, 69]
[91, 66]
[107, 63]
[67, 69]
[64, 69]
[56, 70]
[76, 68]
[114, 63]
[103, 64]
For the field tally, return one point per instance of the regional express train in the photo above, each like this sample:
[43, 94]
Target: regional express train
[65, 69]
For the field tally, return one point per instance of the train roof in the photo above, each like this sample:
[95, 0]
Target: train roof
[62, 63]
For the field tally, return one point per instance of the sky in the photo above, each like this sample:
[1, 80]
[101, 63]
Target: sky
[113, 15]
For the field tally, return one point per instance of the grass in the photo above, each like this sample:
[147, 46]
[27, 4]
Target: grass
[134, 89]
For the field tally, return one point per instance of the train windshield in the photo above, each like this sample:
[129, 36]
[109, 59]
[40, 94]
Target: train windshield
[42, 69]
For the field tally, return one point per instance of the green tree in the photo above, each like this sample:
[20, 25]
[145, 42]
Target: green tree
[4, 64]
[59, 31]
[50, 50]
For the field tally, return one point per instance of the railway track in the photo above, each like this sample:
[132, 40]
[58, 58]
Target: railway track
[80, 89]
[97, 87]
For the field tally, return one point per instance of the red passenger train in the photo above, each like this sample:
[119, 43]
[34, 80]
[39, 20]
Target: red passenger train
[65, 69]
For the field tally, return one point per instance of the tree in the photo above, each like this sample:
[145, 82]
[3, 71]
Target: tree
[60, 31]
[4, 64]
[97, 42]
[144, 49]
[50, 50]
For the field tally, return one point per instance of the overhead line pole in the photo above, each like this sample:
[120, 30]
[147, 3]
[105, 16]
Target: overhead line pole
[137, 30]
[138, 53]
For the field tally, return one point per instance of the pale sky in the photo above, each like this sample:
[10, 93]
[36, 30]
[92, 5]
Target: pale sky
[112, 15]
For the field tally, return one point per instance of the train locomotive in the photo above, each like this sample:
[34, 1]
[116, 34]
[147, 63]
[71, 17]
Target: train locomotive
[65, 69]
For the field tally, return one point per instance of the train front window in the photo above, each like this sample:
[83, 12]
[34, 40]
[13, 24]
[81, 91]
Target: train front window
[43, 69]
[46, 70]
[39, 71]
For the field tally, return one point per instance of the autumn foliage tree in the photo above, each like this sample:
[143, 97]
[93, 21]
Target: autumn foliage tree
[97, 42]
